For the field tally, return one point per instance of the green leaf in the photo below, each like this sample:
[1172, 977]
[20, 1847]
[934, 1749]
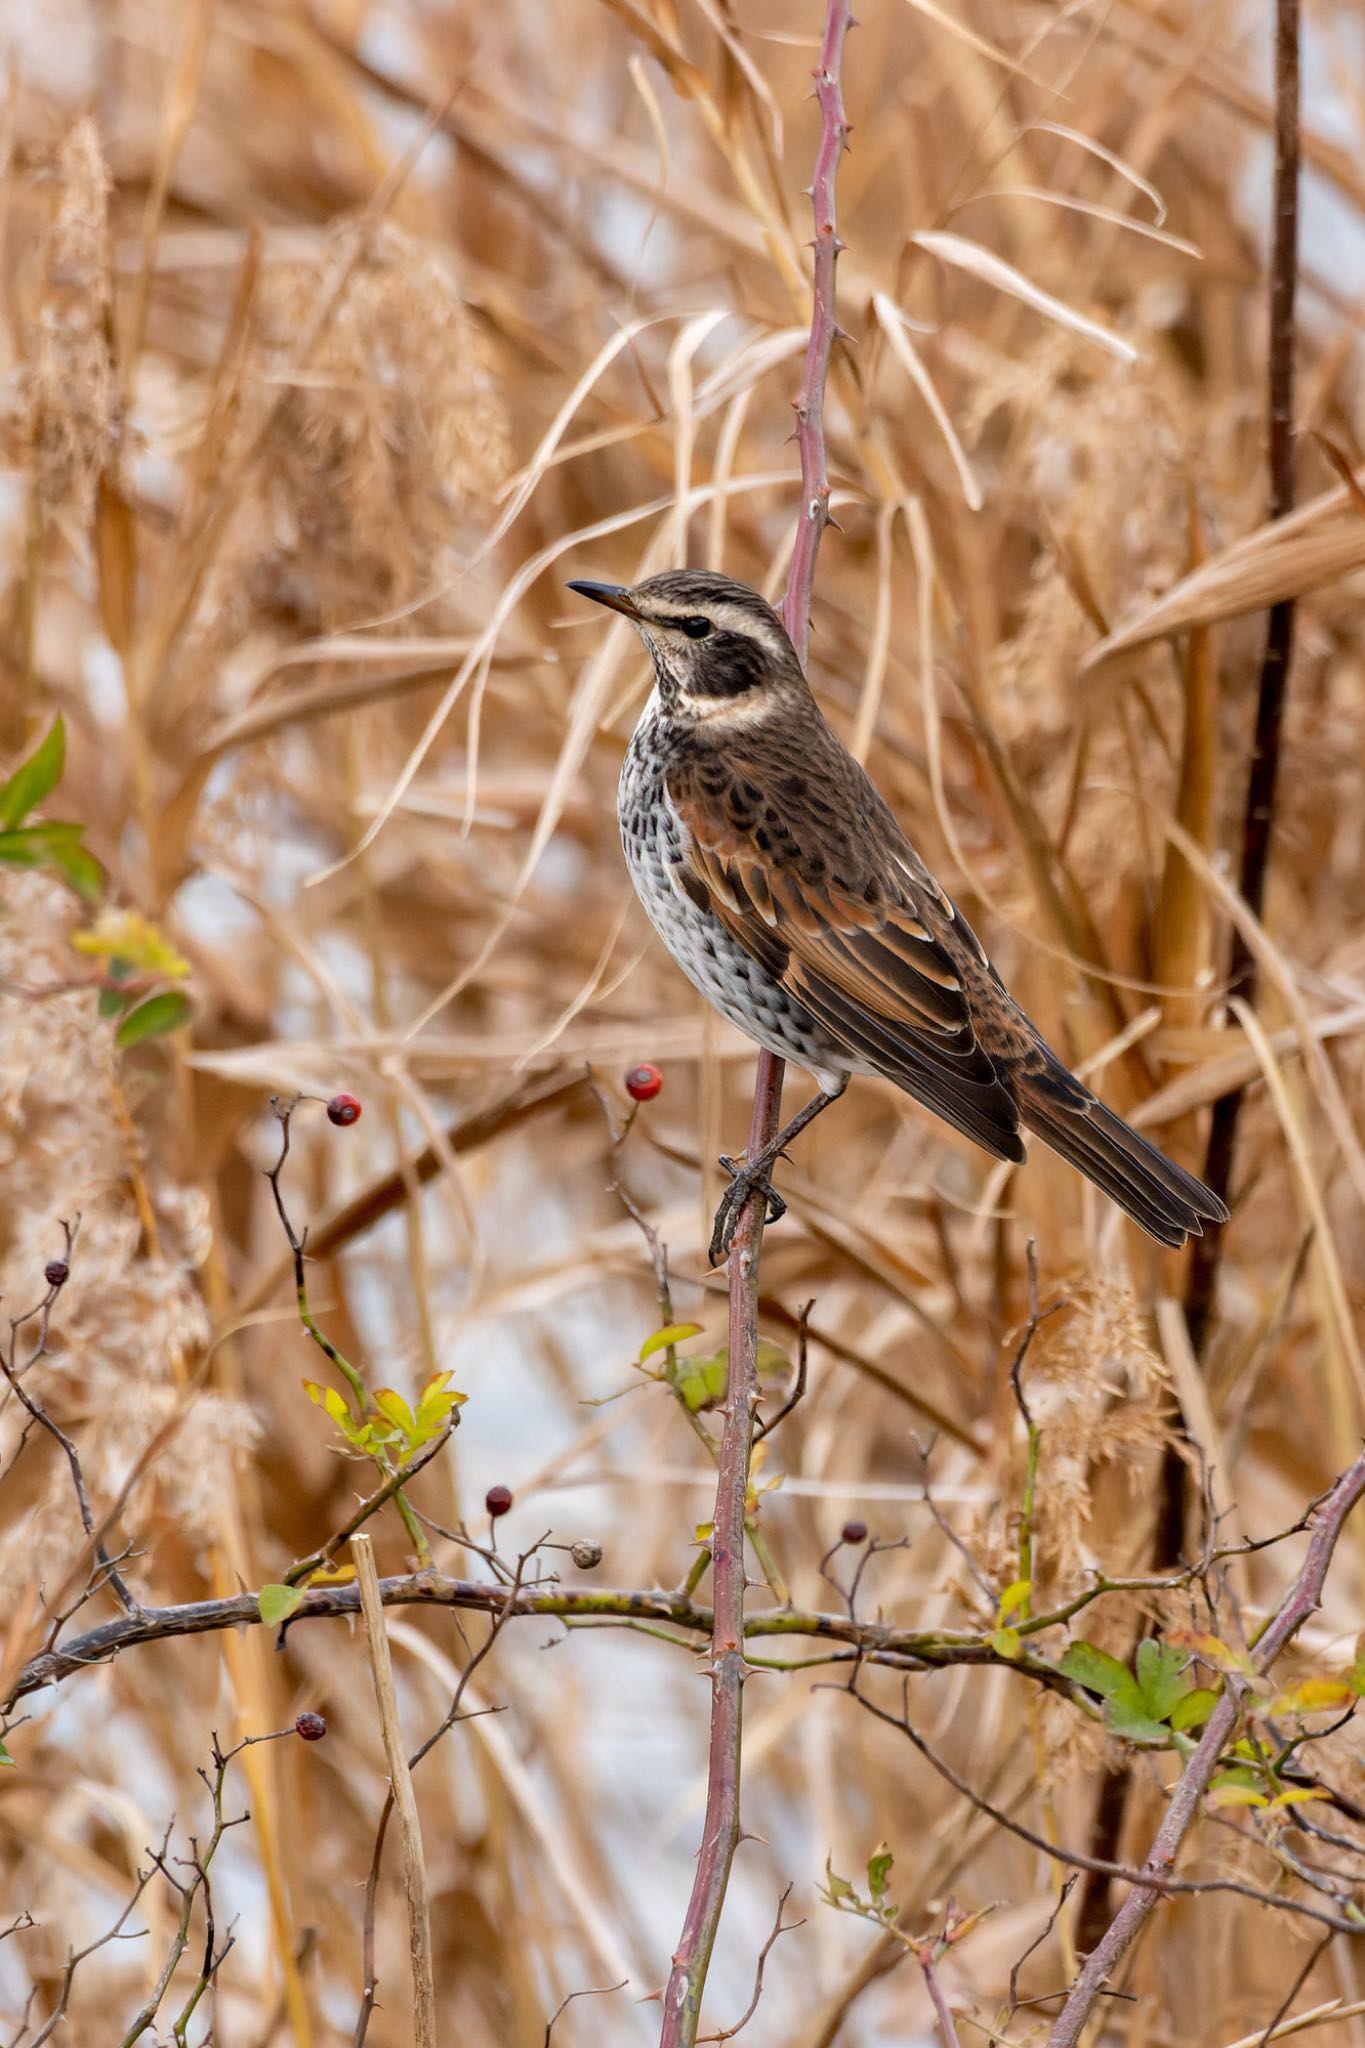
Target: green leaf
[35, 778]
[1247, 1780]
[1125, 1714]
[154, 1018]
[1161, 1676]
[80, 868]
[1095, 1669]
[32, 846]
[671, 1333]
[277, 1603]
[1192, 1710]
[879, 1871]
[700, 1381]
[838, 1887]
[1005, 1642]
[771, 1362]
[6, 1758]
[114, 1001]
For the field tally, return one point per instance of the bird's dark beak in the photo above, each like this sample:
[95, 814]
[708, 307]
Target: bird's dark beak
[614, 595]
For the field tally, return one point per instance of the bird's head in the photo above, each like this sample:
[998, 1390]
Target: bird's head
[720, 651]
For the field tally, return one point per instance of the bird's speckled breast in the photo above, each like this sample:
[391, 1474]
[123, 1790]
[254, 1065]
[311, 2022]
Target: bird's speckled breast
[712, 961]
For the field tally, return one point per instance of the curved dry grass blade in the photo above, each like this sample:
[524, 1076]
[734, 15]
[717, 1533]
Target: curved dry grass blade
[1320, 543]
[961, 254]
[894, 325]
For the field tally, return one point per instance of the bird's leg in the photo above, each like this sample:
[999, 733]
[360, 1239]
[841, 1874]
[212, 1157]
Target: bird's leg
[752, 1175]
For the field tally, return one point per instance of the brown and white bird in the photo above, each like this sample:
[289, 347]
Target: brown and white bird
[786, 891]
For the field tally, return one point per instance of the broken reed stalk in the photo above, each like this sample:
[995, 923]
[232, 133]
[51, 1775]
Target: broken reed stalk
[404, 1799]
[721, 1826]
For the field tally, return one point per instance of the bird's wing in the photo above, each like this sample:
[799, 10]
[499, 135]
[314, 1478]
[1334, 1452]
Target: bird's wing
[841, 911]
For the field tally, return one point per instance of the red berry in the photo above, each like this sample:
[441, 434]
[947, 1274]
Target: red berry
[311, 1727]
[56, 1272]
[643, 1082]
[498, 1500]
[853, 1532]
[344, 1109]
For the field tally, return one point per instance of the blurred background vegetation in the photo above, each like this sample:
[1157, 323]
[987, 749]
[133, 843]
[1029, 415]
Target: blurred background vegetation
[335, 338]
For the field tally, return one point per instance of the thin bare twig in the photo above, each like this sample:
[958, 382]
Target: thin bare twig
[14, 1373]
[720, 1828]
[779, 1927]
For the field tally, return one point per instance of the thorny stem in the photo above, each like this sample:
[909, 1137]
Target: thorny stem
[284, 1111]
[1303, 1597]
[720, 1828]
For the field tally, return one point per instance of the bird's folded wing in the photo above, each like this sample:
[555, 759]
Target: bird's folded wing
[861, 946]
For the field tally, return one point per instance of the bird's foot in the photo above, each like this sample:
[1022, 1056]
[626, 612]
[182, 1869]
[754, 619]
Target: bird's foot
[744, 1181]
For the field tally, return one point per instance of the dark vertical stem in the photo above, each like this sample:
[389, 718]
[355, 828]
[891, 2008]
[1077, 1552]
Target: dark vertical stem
[1259, 814]
[721, 1828]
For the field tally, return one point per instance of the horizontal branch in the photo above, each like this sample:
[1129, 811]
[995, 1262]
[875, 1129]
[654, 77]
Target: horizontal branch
[430, 1589]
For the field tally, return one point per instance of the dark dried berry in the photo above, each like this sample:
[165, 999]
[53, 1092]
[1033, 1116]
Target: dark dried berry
[344, 1109]
[853, 1532]
[498, 1500]
[587, 1556]
[56, 1272]
[311, 1727]
[643, 1083]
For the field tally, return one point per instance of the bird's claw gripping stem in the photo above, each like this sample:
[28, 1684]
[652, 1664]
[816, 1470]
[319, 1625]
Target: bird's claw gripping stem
[744, 1181]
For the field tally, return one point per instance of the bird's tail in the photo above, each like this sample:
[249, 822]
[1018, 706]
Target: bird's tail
[1168, 1202]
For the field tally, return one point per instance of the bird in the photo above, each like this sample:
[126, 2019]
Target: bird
[784, 887]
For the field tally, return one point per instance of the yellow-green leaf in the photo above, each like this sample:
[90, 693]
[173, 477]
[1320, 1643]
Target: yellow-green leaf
[1005, 1642]
[1237, 1795]
[1315, 1696]
[277, 1603]
[671, 1333]
[1193, 1709]
[127, 936]
[1013, 1598]
[394, 1408]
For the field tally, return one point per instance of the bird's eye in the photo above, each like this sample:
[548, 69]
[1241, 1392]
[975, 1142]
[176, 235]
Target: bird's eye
[695, 628]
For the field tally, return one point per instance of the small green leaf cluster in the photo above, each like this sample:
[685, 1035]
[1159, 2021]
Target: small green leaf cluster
[51, 844]
[700, 1381]
[1150, 1703]
[136, 957]
[389, 1428]
[877, 1904]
